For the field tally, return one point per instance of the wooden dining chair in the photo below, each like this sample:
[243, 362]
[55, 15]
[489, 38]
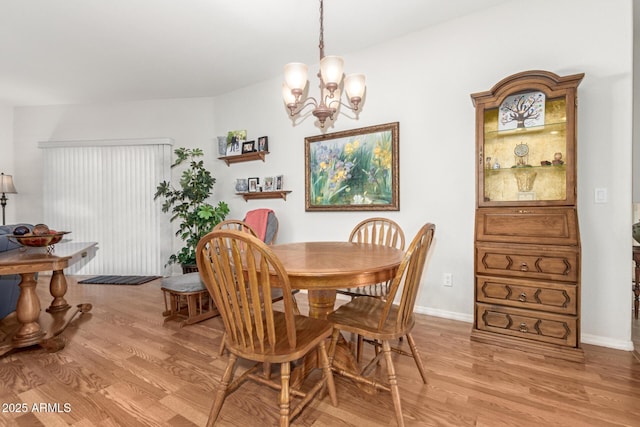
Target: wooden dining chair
[236, 224]
[264, 222]
[382, 320]
[380, 231]
[238, 270]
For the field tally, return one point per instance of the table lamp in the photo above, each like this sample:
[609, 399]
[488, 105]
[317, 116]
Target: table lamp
[6, 187]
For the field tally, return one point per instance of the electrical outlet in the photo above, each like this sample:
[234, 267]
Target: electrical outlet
[447, 279]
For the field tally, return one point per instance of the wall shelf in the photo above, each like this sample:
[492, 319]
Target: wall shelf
[246, 157]
[280, 194]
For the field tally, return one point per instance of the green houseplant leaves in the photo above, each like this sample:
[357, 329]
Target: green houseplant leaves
[188, 203]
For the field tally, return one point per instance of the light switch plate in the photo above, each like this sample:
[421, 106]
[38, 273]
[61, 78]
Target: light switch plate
[600, 195]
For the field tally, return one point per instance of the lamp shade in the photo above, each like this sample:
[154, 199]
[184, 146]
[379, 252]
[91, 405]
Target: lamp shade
[6, 184]
[331, 69]
[295, 75]
[289, 98]
[354, 85]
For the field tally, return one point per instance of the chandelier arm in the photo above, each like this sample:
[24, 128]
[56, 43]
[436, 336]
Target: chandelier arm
[352, 108]
[301, 105]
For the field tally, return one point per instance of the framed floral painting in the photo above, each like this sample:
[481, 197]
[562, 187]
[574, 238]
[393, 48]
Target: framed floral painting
[353, 170]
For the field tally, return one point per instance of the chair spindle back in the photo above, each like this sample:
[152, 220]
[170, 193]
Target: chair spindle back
[408, 277]
[380, 231]
[239, 270]
[235, 224]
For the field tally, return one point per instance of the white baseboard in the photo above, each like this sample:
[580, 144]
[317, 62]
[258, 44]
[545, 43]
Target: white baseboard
[463, 317]
[606, 342]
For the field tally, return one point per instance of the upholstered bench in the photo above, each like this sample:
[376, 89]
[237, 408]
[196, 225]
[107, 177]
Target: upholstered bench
[185, 297]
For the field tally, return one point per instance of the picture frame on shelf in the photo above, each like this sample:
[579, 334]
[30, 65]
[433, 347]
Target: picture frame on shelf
[279, 182]
[234, 147]
[263, 144]
[248, 147]
[253, 185]
[332, 183]
[269, 183]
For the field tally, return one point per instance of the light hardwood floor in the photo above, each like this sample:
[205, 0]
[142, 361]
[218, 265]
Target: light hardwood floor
[122, 367]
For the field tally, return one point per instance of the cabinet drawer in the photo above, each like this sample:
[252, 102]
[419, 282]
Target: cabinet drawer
[529, 294]
[546, 226]
[528, 261]
[538, 326]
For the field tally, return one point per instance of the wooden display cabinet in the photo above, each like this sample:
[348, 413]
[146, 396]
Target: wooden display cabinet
[527, 239]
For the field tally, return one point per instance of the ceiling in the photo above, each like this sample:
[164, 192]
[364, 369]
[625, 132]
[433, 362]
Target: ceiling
[97, 51]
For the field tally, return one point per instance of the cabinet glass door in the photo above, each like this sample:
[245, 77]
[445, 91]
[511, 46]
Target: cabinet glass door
[525, 149]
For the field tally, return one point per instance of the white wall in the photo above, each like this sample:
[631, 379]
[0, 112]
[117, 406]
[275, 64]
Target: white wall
[636, 105]
[422, 81]
[6, 155]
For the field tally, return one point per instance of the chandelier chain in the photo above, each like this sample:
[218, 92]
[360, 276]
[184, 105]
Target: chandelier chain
[321, 45]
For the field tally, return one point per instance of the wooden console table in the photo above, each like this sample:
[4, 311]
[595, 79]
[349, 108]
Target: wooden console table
[28, 325]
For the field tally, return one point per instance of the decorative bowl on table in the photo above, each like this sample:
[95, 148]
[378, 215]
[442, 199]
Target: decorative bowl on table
[40, 241]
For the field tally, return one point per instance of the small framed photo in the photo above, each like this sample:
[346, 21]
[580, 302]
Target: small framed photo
[263, 144]
[253, 184]
[279, 182]
[233, 147]
[269, 183]
[248, 147]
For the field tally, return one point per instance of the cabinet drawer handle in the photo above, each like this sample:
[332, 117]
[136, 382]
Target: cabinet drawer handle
[523, 327]
[522, 297]
[524, 267]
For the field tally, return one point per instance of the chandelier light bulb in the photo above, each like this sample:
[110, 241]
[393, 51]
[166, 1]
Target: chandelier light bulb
[331, 71]
[287, 95]
[295, 76]
[354, 85]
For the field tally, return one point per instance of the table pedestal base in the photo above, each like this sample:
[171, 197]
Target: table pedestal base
[51, 325]
[321, 303]
[28, 325]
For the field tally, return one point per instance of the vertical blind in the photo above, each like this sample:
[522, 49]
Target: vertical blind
[103, 191]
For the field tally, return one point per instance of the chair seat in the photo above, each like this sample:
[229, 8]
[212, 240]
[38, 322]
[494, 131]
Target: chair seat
[188, 299]
[379, 290]
[362, 315]
[309, 333]
[183, 283]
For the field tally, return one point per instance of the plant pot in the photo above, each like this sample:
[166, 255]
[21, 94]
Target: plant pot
[189, 268]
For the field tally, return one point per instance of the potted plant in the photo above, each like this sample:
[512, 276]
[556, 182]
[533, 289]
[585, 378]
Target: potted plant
[188, 204]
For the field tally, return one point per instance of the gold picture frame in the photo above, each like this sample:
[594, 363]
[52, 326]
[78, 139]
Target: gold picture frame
[353, 170]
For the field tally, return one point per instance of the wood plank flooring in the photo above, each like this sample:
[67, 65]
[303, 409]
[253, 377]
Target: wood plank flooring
[123, 367]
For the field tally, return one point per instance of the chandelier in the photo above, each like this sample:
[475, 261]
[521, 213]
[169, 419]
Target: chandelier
[330, 75]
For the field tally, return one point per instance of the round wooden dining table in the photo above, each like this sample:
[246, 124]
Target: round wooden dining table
[323, 267]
